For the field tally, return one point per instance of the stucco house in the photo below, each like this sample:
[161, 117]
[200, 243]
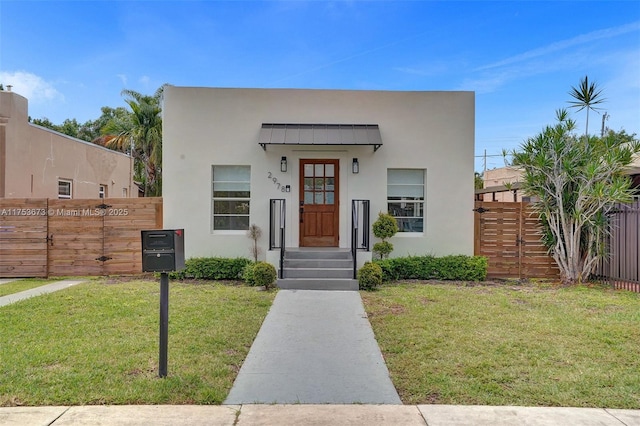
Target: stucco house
[228, 152]
[36, 162]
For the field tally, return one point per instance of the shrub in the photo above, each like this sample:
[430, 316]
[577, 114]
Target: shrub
[369, 276]
[264, 274]
[212, 268]
[247, 274]
[383, 248]
[384, 227]
[254, 233]
[456, 267]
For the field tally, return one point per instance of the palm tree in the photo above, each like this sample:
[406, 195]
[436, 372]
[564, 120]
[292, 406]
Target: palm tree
[586, 95]
[140, 134]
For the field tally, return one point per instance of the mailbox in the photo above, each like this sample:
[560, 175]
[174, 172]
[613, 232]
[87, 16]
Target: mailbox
[163, 250]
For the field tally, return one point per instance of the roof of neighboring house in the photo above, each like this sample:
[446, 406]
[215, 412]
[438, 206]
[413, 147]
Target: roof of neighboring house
[500, 188]
[93, 144]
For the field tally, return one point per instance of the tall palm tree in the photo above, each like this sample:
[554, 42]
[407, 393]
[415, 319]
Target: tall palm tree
[140, 134]
[586, 95]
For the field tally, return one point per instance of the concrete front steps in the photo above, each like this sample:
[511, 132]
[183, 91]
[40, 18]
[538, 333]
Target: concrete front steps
[318, 269]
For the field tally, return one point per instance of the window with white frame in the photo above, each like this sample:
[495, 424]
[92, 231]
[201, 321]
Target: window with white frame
[405, 198]
[65, 189]
[231, 196]
[102, 191]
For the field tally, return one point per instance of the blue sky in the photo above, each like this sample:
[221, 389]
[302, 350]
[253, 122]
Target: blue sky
[520, 57]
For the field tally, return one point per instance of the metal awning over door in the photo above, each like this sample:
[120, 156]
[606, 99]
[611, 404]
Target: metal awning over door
[319, 134]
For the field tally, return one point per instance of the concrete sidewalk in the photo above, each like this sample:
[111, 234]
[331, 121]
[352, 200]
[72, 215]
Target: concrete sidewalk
[37, 291]
[316, 415]
[314, 347]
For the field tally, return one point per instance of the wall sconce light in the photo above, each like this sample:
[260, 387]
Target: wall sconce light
[355, 166]
[283, 164]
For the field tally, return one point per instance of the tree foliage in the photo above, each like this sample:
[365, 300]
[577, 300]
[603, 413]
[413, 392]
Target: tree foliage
[576, 180]
[478, 181]
[586, 96]
[140, 134]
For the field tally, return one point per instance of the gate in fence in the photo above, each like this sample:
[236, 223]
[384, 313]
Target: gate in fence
[41, 238]
[508, 235]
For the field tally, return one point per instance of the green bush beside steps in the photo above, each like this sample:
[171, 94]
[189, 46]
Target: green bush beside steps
[454, 267]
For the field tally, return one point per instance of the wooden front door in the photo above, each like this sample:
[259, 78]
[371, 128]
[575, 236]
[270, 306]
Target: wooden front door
[319, 202]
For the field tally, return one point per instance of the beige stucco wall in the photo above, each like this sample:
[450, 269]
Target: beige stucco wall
[422, 130]
[33, 158]
[498, 178]
[502, 175]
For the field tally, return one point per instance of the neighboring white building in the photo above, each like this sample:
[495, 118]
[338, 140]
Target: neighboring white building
[225, 152]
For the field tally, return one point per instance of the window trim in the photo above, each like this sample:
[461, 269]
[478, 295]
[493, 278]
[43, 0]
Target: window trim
[422, 201]
[214, 199]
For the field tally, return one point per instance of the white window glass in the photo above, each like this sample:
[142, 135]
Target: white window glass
[405, 198]
[231, 196]
[65, 189]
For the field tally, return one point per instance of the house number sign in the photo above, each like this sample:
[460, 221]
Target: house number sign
[272, 178]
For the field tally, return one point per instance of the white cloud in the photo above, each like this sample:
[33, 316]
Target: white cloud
[31, 86]
[144, 80]
[564, 44]
[123, 79]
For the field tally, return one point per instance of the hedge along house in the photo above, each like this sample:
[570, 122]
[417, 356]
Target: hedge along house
[312, 169]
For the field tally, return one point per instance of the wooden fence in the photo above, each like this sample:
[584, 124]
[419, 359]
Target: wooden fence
[508, 234]
[41, 238]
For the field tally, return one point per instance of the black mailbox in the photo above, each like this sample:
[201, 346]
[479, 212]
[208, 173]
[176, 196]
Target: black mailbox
[163, 250]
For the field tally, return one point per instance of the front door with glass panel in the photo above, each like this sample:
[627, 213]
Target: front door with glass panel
[319, 215]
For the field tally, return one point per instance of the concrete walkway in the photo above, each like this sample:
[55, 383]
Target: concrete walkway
[37, 291]
[316, 415]
[314, 347]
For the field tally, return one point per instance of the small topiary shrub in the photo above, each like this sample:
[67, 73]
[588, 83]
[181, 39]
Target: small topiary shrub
[264, 274]
[369, 276]
[383, 249]
[384, 227]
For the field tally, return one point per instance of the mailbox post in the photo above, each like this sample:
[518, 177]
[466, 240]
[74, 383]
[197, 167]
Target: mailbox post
[163, 251]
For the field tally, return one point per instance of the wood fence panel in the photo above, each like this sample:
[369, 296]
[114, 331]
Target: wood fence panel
[536, 261]
[76, 232]
[122, 225]
[497, 226]
[23, 238]
[74, 237]
[508, 234]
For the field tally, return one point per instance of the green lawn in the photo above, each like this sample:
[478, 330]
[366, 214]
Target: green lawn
[23, 284]
[509, 345]
[97, 343]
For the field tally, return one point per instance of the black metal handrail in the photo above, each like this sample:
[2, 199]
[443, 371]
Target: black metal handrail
[277, 214]
[360, 219]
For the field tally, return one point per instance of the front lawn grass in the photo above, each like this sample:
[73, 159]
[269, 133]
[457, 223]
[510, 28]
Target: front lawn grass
[97, 343]
[527, 345]
[23, 284]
